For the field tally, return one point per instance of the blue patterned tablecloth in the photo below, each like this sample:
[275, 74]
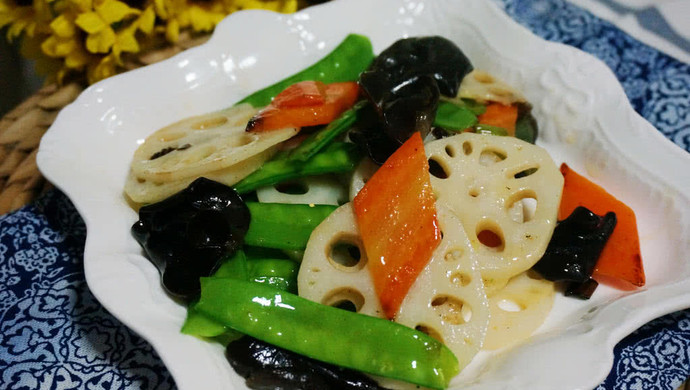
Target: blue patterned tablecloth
[55, 335]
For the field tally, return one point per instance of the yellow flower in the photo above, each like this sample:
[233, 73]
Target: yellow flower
[91, 37]
[103, 69]
[23, 16]
[99, 25]
[203, 16]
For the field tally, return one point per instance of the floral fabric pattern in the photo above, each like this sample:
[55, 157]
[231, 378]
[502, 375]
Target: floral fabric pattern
[53, 332]
[55, 335]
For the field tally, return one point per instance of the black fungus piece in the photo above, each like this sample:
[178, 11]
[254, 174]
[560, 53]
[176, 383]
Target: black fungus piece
[405, 82]
[575, 246]
[370, 139]
[581, 290]
[267, 367]
[187, 235]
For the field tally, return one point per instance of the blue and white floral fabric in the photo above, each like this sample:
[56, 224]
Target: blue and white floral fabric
[55, 335]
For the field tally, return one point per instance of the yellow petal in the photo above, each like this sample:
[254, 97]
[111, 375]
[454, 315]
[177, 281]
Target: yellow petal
[114, 11]
[147, 20]
[64, 47]
[49, 45]
[101, 42]
[203, 20]
[161, 9]
[126, 41]
[83, 5]
[76, 59]
[172, 31]
[63, 27]
[91, 22]
[16, 29]
[104, 69]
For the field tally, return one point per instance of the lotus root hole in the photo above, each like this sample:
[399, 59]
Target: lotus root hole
[200, 155]
[500, 92]
[210, 123]
[474, 192]
[460, 279]
[244, 139]
[491, 236]
[526, 172]
[169, 137]
[522, 206]
[451, 310]
[450, 150]
[490, 157]
[438, 169]
[467, 148]
[345, 298]
[429, 331]
[345, 254]
[510, 305]
[292, 188]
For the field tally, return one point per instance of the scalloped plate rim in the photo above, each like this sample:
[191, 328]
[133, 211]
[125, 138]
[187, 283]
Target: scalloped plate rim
[85, 202]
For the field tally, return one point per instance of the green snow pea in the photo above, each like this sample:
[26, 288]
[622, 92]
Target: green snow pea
[337, 157]
[373, 345]
[284, 226]
[352, 56]
[279, 273]
[454, 117]
[320, 139]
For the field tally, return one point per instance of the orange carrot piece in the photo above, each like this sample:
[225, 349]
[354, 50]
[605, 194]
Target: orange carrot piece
[620, 263]
[304, 93]
[500, 115]
[396, 215]
[308, 103]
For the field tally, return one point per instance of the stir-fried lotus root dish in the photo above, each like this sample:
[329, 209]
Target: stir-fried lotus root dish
[373, 221]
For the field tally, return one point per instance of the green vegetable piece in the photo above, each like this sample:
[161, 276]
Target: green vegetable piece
[257, 252]
[234, 267]
[197, 324]
[526, 128]
[454, 117]
[352, 56]
[200, 325]
[373, 345]
[279, 273]
[337, 157]
[294, 255]
[320, 139]
[473, 105]
[490, 130]
[284, 226]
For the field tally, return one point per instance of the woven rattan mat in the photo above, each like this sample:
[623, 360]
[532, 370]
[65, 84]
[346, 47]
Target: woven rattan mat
[22, 128]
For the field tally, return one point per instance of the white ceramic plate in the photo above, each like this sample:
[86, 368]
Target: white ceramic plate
[584, 116]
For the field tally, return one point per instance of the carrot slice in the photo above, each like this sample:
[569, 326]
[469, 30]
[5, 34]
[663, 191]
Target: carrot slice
[620, 263]
[302, 94]
[307, 103]
[396, 215]
[500, 115]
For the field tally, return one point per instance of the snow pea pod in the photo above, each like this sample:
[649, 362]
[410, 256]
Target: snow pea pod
[352, 56]
[279, 273]
[320, 139]
[283, 226]
[337, 157]
[328, 334]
